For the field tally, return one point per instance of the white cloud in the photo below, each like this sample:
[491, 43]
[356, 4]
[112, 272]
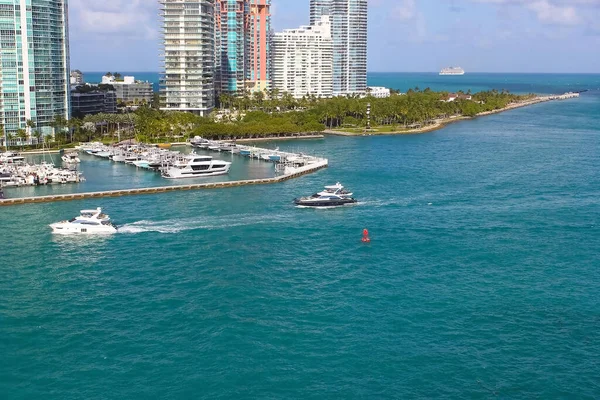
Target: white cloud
[129, 18]
[554, 14]
[405, 11]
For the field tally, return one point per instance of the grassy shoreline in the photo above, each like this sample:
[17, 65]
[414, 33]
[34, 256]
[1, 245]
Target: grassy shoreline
[441, 123]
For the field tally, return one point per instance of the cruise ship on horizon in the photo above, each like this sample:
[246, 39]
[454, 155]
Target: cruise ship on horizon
[452, 71]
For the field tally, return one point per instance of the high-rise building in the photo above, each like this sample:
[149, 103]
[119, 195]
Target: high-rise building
[34, 64]
[130, 91]
[260, 47]
[318, 8]
[232, 45]
[187, 81]
[242, 29]
[88, 101]
[303, 60]
[349, 32]
[77, 78]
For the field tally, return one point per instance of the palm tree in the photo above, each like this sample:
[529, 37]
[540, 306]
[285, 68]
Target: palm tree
[30, 126]
[59, 124]
[9, 138]
[74, 125]
[37, 135]
[22, 136]
[90, 128]
[3, 133]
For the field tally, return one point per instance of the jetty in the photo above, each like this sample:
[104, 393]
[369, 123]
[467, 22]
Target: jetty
[290, 173]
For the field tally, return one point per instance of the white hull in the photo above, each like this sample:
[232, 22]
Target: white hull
[65, 230]
[446, 74]
[142, 163]
[90, 222]
[117, 158]
[175, 173]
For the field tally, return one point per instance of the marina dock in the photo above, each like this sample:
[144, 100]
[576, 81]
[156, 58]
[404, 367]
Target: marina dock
[297, 172]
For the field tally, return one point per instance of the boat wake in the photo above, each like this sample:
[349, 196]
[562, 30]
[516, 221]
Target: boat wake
[173, 226]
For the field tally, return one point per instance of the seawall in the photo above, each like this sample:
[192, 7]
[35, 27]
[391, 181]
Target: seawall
[164, 189]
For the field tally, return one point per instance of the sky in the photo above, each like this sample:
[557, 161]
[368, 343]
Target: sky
[404, 35]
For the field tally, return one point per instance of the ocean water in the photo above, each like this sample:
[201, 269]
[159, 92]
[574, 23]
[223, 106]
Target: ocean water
[476, 82]
[481, 280]
[102, 174]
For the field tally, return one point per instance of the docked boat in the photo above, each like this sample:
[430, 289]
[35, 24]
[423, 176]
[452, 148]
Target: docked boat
[196, 166]
[89, 222]
[103, 154]
[332, 196]
[142, 163]
[11, 158]
[71, 158]
[199, 142]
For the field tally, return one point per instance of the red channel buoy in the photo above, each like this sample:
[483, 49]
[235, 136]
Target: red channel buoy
[365, 238]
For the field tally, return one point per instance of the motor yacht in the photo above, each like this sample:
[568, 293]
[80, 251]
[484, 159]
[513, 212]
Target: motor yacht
[196, 166]
[332, 196]
[71, 158]
[143, 163]
[104, 154]
[199, 142]
[11, 158]
[90, 222]
[336, 189]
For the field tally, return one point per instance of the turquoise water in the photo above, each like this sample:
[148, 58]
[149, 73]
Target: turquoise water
[476, 82]
[481, 280]
[102, 174]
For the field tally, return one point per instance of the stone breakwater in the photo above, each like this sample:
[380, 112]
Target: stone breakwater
[291, 174]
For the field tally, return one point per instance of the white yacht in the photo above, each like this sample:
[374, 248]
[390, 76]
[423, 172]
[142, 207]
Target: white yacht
[11, 158]
[142, 163]
[196, 166]
[71, 158]
[197, 141]
[90, 222]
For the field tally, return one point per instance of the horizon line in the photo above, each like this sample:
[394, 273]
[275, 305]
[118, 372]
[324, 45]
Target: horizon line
[391, 72]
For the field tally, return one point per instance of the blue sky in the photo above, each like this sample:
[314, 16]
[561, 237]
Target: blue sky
[404, 35]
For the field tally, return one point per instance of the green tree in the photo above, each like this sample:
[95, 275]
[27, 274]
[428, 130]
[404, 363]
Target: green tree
[4, 136]
[22, 136]
[37, 135]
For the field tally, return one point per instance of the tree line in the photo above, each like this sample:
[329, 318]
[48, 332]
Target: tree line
[274, 114]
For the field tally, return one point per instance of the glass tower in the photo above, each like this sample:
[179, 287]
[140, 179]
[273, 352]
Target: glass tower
[187, 82]
[34, 64]
[349, 31]
[318, 8]
[232, 55]
[260, 51]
